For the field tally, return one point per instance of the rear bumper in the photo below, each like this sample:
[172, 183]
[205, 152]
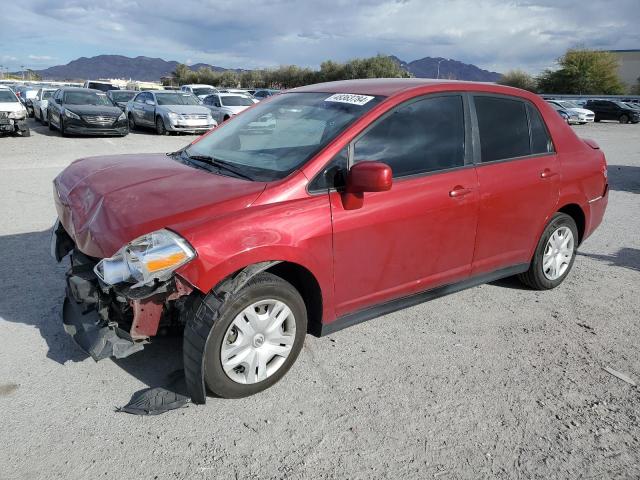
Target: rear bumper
[597, 207]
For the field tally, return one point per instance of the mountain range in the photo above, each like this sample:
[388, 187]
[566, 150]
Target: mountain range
[149, 69]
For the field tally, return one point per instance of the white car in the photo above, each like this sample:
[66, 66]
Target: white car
[223, 106]
[40, 103]
[584, 115]
[13, 114]
[199, 90]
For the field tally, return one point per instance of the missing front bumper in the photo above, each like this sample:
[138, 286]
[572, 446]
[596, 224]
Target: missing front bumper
[99, 342]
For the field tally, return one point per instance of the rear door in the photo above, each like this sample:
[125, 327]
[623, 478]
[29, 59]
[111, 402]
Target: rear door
[419, 234]
[518, 176]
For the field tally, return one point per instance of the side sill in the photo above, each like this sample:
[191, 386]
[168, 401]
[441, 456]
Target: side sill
[405, 302]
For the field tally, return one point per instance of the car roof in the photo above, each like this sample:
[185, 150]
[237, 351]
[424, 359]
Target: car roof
[198, 85]
[392, 86]
[125, 91]
[231, 94]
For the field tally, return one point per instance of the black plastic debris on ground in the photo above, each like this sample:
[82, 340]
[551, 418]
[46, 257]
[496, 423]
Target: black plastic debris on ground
[157, 400]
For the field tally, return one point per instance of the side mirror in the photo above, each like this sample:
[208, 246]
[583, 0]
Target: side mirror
[150, 102]
[369, 177]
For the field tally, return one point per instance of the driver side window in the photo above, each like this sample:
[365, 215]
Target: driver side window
[419, 137]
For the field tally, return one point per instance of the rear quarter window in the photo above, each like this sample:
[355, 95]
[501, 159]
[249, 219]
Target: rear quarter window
[540, 139]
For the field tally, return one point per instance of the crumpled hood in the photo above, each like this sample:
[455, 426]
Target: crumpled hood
[105, 202]
[10, 106]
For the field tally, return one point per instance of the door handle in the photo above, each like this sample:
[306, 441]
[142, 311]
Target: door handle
[546, 173]
[459, 191]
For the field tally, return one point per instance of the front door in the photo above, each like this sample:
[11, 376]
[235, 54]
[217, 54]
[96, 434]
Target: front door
[420, 234]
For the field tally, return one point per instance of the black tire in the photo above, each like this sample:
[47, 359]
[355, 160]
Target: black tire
[25, 133]
[63, 133]
[43, 119]
[160, 128]
[624, 118]
[596, 119]
[132, 123]
[535, 277]
[207, 324]
[226, 117]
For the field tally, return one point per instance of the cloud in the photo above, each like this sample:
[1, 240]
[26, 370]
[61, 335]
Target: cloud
[41, 58]
[493, 34]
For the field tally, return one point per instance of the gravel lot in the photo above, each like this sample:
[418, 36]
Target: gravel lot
[494, 382]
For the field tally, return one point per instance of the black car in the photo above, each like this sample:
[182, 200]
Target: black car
[613, 110]
[121, 97]
[85, 111]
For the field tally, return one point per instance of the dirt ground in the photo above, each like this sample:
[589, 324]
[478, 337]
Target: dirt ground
[494, 382]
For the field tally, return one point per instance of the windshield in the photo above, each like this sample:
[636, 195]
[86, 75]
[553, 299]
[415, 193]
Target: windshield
[621, 104]
[204, 91]
[86, 98]
[277, 137]
[235, 101]
[122, 96]
[7, 96]
[47, 94]
[176, 99]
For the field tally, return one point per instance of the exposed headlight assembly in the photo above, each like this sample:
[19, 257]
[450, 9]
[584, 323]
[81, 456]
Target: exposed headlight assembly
[122, 117]
[151, 257]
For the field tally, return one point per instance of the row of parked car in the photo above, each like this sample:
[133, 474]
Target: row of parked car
[110, 111]
[594, 110]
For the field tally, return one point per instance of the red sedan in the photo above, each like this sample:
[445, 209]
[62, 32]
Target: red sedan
[317, 209]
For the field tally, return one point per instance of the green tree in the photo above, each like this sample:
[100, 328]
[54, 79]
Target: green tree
[518, 79]
[583, 72]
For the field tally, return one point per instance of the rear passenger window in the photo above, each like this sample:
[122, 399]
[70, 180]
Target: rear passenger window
[504, 129]
[422, 136]
[540, 141]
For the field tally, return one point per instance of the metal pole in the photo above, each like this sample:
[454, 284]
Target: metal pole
[442, 59]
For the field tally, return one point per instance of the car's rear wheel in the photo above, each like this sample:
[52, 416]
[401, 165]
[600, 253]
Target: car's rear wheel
[160, 128]
[554, 255]
[246, 342]
[624, 118]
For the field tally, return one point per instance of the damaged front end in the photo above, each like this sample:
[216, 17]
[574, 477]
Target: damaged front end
[116, 320]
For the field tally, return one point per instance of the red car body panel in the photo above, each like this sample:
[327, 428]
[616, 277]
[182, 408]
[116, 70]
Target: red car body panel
[411, 238]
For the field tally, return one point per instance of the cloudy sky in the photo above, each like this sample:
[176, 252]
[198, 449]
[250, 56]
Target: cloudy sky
[495, 35]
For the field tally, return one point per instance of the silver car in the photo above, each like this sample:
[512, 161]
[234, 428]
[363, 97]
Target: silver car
[40, 103]
[168, 111]
[223, 106]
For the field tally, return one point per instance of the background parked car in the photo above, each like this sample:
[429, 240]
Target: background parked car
[101, 85]
[584, 115]
[223, 106]
[85, 111]
[41, 102]
[199, 90]
[13, 114]
[169, 112]
[613, 110]
[569, 116]
[264, 93]
[26, 94]
[120, 98]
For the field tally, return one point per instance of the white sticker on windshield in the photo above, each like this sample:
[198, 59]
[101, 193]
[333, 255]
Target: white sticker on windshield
[101, 94]
[351, 98]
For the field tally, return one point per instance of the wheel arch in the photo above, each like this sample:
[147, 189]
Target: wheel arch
[298, 275]
[576, 212]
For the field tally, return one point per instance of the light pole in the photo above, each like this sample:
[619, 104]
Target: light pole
[1, 72]
[439, 61]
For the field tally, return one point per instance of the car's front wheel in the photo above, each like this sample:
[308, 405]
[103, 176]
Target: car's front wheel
[248, 341]
[554, 255]
[160, 128]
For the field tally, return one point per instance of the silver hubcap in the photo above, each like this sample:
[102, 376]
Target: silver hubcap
[558, 253]
[258, 341]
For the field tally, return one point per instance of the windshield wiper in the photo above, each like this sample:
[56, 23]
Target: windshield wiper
[221, 164]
